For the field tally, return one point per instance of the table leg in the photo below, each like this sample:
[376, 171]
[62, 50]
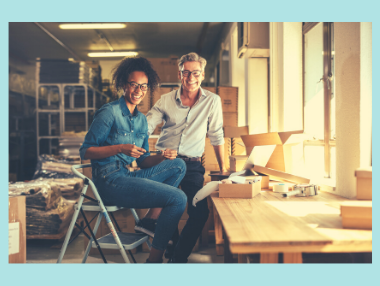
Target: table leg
[228, 258]
[292, 257]
[243, 258]
[219, 241]
[268, 257]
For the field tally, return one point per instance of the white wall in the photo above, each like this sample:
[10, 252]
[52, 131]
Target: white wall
[286, 76]
[258, 95]
[107, 67]
[353, 70]
[366, 94]
[239, 77]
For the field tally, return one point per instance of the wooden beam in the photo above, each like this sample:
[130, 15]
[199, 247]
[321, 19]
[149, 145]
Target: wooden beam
[202, 37]
[76, 57]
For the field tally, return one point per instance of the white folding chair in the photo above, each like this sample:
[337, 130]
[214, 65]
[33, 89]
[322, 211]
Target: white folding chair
[115, 239]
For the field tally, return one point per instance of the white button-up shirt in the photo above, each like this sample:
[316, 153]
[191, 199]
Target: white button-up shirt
[185, 128]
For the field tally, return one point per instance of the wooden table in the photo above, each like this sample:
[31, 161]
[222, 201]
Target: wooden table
[270, 224]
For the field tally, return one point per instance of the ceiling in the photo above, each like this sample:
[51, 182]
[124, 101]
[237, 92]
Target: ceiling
[28, 41]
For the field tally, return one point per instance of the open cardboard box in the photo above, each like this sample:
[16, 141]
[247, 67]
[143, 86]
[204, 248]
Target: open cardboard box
[246, 190]
[286, 151]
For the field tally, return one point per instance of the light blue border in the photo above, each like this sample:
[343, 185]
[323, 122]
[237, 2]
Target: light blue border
[181, 11]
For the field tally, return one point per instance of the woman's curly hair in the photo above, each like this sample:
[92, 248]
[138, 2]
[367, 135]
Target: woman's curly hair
[129, 65]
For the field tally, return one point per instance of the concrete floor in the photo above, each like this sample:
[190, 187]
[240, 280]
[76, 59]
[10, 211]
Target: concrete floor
[47, 251]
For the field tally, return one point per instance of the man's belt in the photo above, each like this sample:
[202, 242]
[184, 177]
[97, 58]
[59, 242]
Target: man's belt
[187, 159]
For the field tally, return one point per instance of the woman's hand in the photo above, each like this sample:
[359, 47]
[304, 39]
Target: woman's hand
[169, 154]
[132, 150]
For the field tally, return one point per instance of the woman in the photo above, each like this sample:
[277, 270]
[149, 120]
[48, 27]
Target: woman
[117, 137]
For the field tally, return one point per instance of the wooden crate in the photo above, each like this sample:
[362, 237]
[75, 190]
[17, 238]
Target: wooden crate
[17, 230]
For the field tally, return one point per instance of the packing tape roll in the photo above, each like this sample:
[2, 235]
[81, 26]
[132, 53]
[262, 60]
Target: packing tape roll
[280, 188]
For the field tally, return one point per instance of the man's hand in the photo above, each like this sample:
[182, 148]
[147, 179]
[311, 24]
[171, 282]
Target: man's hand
[132, 150]
[169, 154]
[223, 169]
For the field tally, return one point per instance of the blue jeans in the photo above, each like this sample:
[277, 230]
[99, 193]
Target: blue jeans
[154, 187]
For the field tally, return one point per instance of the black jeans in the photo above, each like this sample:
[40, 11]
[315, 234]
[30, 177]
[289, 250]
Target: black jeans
[191, 184]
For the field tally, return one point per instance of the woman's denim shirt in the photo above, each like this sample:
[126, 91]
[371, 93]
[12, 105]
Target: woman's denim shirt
[114, 124]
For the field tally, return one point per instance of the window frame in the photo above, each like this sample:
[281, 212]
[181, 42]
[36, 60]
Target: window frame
[327, 142]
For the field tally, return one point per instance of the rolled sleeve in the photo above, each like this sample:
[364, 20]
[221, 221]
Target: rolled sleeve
[215, 125]
[154, 117]
[147, 154]
[99, 130]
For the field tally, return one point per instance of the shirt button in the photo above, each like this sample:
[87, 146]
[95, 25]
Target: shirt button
[125, 134]
[132, 131]
[133, 142]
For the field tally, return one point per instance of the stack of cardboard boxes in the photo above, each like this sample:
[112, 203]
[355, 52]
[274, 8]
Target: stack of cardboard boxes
[229, 99]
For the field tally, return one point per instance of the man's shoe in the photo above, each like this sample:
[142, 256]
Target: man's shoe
[147, 226]
[174, 260]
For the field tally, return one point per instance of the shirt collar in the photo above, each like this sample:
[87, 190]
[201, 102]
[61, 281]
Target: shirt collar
[178, 93]
[124, 109]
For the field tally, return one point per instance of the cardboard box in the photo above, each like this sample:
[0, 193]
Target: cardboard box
[238, 147]
[273, 138]
[145, 104]
[364, 183]
[210, 88]
[210, 161]
[229, 98]
[152, 143]
[166, 68]
[230, 119]
[287, 154]
[235, 132]
[158, 129]
[17, 230]
[239, 190]
[237, 162]
[159, 91]
[356, 214]
[264, 180]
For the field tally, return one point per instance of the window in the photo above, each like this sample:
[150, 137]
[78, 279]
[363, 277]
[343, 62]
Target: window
[319, 99]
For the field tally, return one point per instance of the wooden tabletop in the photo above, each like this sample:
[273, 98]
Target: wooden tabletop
[270, 223]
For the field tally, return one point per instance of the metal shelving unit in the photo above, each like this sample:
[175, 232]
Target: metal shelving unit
[62, 107]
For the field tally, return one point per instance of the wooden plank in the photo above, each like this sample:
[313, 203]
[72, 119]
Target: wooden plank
[228, 258]
[243, 258]
[295, 257]
[271, 223]
[268, 257]
[218, 229]
[219, 249]
[281, 176]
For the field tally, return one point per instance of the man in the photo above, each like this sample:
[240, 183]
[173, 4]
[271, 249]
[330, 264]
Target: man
[189, 114]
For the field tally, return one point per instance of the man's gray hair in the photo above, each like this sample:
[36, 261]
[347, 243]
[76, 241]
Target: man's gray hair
[192, 57]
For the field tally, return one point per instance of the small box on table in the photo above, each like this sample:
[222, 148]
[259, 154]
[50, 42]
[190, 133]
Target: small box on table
[247, 190]
[364, 183]
[356, 214]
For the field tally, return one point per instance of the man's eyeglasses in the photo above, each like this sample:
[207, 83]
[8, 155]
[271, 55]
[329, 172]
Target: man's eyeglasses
[135, 85]
[188, 73]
